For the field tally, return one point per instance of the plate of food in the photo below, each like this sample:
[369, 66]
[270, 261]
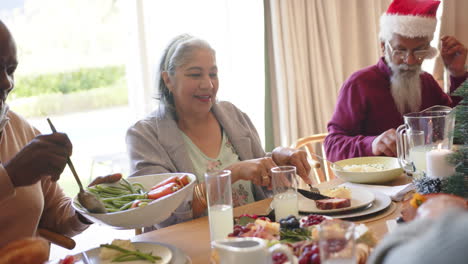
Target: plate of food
[126, 252]
[381, 202]
[140, 201]
[342, 199]
[368, 169]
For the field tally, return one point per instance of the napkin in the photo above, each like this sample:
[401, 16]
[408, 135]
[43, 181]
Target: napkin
[395, 192]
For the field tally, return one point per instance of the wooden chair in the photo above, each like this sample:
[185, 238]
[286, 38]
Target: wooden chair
[56, 238]
[309, 144]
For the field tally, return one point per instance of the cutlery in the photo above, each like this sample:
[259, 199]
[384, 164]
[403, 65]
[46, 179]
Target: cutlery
[312, 195]
[333, 164]
[85, 258]
[88, 200]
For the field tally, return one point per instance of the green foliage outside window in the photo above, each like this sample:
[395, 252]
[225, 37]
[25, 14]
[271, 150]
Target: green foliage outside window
[67, 82]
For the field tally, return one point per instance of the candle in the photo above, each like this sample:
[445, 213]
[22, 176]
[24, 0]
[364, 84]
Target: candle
[437, 165]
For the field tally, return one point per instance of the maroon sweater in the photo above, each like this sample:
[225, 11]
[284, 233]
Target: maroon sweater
[365, 109]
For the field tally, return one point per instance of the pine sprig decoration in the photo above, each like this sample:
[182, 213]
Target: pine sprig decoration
[458, 183]
[426, 185]
[461, 114]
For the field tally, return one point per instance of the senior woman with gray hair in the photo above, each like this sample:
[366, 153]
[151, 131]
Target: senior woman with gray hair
[193, 132]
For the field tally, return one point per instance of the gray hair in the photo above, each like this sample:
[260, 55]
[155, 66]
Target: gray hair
[177, 53]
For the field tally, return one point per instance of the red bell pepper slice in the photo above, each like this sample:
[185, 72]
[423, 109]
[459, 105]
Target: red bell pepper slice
[135, 204]
[163, 191]
[167, 181]
[184, 179]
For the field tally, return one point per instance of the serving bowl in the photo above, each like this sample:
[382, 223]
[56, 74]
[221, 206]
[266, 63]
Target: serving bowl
[391, 169]
[153, 213]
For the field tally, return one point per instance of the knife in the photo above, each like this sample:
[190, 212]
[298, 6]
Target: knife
[312, 195]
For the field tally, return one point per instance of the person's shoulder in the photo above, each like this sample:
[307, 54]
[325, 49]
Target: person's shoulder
[228, 109]
[369, 73]
[16, 118]
[154, 120]
[19, 122]
[227, 106]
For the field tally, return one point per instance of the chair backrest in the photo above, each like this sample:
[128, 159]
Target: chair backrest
[309, 144]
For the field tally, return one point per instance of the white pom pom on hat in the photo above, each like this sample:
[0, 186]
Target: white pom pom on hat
[409, 18]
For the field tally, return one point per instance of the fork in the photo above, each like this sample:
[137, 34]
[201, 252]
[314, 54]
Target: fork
[313, 189]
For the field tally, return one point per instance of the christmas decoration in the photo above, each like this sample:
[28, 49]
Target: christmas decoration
[458, 183]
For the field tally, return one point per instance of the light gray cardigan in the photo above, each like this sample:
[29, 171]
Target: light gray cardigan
[155, 143]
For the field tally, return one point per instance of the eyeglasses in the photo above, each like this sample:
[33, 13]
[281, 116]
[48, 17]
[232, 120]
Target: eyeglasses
[419, 55]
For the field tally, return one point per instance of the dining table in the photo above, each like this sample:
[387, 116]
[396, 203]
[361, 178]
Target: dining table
[193, 237]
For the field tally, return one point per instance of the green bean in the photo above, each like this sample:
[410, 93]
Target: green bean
[126, 197]
[126, 206]
[141, 255]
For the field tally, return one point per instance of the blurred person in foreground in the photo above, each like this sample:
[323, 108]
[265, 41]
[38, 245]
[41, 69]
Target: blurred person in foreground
[193, 132]
[372, 102]
[30, 165]
[436, 234]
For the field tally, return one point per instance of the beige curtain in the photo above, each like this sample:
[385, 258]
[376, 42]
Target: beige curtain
[312, 47]
[454, 22]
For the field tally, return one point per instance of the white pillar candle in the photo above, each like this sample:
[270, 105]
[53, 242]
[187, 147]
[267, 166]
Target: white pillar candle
[437, 165]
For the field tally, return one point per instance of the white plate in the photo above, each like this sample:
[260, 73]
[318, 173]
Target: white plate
[156, 249]
[153, 213]
[359, 198]
[381, 202]
[166, 252]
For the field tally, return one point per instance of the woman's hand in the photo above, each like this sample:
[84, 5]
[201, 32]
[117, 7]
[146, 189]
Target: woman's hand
[294, 157]
[257, 171]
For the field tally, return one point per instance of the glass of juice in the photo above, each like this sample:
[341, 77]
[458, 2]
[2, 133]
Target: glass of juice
[219, 197]
[336, 242]
[284, 184]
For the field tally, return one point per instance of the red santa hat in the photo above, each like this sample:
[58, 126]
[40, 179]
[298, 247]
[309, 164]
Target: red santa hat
[409, 18]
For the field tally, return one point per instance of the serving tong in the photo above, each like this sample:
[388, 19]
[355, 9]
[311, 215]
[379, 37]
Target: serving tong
[88, 200]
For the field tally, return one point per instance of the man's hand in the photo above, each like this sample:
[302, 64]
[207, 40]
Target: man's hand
[111, 178]
[257, 171]
[385, 144]
[45, 155]
[294, 157]
[454, 56]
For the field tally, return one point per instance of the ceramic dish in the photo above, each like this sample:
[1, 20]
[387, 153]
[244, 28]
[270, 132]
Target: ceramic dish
[153, 213]
[169, 254]
[391, 171]
[359, 198]
[381, 202]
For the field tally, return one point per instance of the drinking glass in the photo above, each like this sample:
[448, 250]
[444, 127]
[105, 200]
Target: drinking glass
[336, 242]
[219, 198]
[284, 184]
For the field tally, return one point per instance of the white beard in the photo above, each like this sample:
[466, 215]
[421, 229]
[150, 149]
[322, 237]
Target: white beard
[3, 116]
[405, 86]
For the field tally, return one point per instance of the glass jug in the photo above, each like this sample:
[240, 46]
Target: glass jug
[423, 131]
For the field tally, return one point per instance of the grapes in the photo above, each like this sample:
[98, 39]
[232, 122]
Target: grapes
[238, 231]
[315, 259]
[310, 254]
[290, 222]
[312, 219]
[279, 258]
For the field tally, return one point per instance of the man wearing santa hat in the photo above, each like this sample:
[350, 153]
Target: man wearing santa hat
[372, 102]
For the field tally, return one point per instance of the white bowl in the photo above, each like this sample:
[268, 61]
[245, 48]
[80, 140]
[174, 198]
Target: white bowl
[391, 172]
[153, 213]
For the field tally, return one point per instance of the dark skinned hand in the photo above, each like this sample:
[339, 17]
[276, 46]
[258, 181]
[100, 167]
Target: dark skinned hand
[106, 179]
[45, 155]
